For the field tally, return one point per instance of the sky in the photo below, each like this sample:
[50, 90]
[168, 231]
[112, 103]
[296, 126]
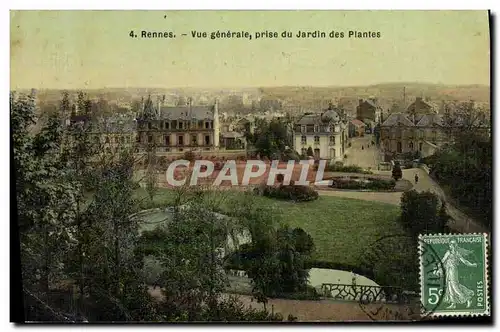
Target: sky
[93, 49]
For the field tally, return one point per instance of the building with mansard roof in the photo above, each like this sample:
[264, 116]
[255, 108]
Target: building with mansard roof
[423, 129]
[325, 133]
[178, 129]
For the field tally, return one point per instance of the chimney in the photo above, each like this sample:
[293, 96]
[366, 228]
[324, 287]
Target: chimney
[159, 108]
[189, 104]
[216, 124]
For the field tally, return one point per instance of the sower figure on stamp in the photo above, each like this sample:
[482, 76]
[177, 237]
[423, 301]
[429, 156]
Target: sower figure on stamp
[456, 293]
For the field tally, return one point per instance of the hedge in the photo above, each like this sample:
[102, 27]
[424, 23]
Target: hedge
[344, 169]
[372, 184]
[295, 193]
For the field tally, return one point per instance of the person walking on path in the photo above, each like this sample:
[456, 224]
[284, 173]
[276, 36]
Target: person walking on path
[416, 178]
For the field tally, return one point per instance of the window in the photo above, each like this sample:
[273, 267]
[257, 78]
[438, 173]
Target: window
[410, 146]
[161, 125]
[150, 138]
[303, 151]
[316, 128]
[207, 125]
[420, 146]
[200, 124]
[180, 140]
[303, 129]
[194, 139]
[138, 138]
[181, 125]
[167, 140]
[332, 140]
[399, 147]
[303, 139]
[207, 139]
[149, 125]
[193, 124]
[316, 139]
[167, 125]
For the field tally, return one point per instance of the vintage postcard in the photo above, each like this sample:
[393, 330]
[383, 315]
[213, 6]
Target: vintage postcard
[249, 166]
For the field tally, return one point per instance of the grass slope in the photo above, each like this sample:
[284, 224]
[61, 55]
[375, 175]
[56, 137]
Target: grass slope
[342, 228]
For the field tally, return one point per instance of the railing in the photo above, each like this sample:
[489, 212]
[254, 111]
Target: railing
[368, 294]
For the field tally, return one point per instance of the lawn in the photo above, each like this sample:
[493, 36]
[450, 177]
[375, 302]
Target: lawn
[342, 228]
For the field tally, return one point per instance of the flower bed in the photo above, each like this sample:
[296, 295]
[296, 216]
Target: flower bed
[356, 183]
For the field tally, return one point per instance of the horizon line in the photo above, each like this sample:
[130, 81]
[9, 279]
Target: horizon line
[258, 86]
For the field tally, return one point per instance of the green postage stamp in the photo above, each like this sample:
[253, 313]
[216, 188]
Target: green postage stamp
[454, 275]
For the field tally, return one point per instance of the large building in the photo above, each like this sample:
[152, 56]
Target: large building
[178, 129]
[325, 133]
[368, 110]
[421, 128]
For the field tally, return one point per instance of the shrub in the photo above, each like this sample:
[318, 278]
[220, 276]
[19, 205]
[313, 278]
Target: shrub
[295, 193]
[397, 173]
[421, 214]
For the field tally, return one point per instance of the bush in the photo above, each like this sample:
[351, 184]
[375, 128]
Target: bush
[339, 167]
[372, 184]
[397, 173]
[290, 192]
[421, 213]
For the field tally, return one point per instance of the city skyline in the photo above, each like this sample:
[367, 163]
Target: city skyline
[93, 49]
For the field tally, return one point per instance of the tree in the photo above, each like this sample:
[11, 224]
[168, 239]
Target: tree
[397, 173]
[67, 238]
[276, 262]
[151, 171]
[309, 152]
[420, 213]
[44, 201]
[270, 138]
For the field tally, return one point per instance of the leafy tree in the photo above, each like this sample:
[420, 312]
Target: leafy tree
[44, 200]
[65, 237]
[468, 158]
[310, 152]
[276, 264]
[421, 214]
[397, 173]
[270, 138]
[151, 171]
